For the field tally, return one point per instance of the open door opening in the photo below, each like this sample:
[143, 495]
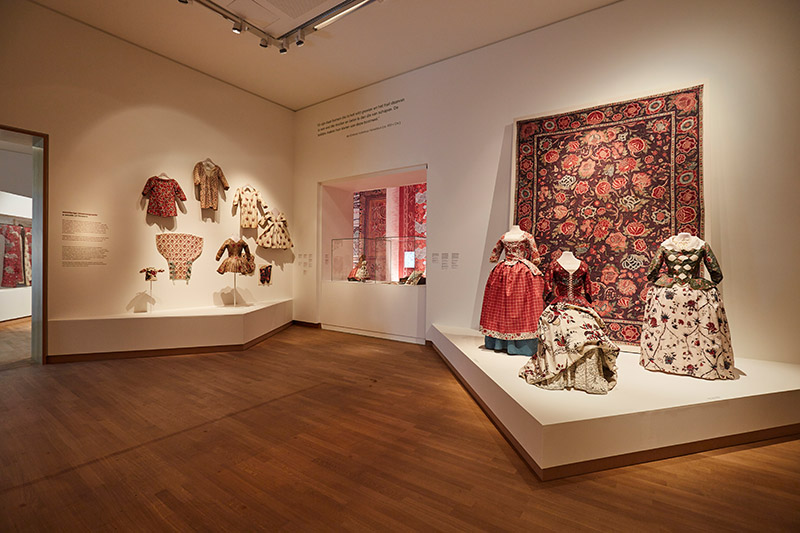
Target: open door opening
[23, 180]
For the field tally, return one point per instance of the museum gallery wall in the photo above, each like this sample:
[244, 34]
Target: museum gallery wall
[111, 130]
[458, 117]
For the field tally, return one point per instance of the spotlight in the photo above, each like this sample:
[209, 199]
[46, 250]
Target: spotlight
[299, 39]
[283, 48]
[237, 27]
[264, 43]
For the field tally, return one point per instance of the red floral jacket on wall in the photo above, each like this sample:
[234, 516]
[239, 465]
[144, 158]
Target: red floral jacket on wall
[163, 193]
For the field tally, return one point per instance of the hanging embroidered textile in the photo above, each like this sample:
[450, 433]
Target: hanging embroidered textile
[210, 178]
[13, 270]
[248, 200]
[276, 232]
[372, 226]
[151, 273]
[413, 215]
[265, 274]
[163, 193]
[28, 250]
[611, 183]
[180, 250]
[239, 260]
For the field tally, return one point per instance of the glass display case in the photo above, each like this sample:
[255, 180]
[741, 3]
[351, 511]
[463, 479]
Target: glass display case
[387, 259]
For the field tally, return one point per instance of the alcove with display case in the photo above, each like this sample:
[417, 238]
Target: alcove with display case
[378, 219]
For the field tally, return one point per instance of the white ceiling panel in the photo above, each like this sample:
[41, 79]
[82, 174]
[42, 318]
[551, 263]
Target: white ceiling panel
[378, 41]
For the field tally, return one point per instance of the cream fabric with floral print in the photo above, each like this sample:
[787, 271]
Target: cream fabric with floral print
[248, 200]
[276, 232]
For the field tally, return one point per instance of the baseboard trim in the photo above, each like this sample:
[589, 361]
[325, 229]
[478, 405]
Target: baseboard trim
[617, 461]
[667, 452]
[304, 324]
[7, 321]
[102, 356]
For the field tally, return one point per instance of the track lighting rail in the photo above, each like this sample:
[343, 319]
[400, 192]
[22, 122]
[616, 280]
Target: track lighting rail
[296, 35]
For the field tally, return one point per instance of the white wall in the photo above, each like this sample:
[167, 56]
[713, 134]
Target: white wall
[116, 115]
[457, 117]
[16, 170]
[14, 205]
[337, 223]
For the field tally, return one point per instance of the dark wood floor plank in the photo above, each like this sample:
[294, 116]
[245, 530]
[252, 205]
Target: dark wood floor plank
[314, 430]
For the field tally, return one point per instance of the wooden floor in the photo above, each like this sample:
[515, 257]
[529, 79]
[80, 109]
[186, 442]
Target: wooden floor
[314, 430]
[15, 342]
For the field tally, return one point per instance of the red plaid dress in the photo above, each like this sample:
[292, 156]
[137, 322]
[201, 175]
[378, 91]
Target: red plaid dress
[512, 301]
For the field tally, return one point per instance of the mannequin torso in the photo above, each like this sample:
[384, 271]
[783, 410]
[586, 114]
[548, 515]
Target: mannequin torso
[569, 261]
[514, 234]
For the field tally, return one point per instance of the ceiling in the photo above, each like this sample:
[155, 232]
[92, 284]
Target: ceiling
[376, 42]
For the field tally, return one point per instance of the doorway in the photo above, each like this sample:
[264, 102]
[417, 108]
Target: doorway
[23, 198]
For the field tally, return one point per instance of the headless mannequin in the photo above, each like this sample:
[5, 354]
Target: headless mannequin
[514, 234]
[569, 261]
[683, 238]
[163, 176]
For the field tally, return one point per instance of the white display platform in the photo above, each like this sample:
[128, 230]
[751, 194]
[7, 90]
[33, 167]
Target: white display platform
[15, 302]
[395, 312]
[648, 415]
[209, 328]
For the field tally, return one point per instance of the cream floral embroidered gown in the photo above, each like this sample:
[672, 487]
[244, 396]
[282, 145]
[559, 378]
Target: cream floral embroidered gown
[685, 327]
[574, 351]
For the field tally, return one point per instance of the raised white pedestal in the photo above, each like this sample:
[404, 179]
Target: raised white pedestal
[15, 302]
[647, 416]
[142, 334]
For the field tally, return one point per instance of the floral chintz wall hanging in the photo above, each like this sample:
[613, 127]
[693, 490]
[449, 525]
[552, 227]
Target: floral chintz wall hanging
[610, 183]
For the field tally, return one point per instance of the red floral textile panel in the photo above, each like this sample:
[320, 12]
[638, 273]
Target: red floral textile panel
[369, 222]
[413, 222]
[611, 183]
[372, 225]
